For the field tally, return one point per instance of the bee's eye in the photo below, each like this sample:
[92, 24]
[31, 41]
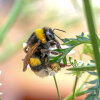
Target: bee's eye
[48, 32]
[49, 35]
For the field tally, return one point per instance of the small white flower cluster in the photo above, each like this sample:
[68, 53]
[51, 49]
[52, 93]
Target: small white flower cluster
[52, 73]
[24, 45]
[82, 63]
[0, 83]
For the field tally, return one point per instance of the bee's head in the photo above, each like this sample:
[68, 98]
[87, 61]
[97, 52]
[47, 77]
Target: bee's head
[49, 34]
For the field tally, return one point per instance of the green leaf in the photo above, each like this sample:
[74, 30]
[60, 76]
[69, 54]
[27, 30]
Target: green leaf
[91, 97]
[87, 49]
[79, 40]
[65, 60]
[70, 59]
[65, 40]
[54, 59]
[83, 68]
[93, 73]
[60, 50]
[71, 43]
[92, 61]
[93, 81]
[92, 89]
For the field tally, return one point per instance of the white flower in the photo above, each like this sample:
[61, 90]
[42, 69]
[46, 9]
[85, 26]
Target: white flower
[1, 93]
[1, 83]
[24, 45]
[28, 66]
[64, 46]
[0, 72]
[52, 73]
[71, 52]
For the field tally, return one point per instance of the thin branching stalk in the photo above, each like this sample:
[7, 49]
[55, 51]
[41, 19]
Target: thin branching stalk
[78, 91]
[11, 19]
[93, 35]
[57, 87]
[76, 80]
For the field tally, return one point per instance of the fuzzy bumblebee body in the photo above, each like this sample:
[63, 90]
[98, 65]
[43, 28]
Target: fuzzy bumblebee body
[46, 36]
[34, 61]
[37, 51]
[40, 35]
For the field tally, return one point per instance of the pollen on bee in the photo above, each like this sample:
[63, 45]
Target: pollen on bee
[34, 62]
[55, 67]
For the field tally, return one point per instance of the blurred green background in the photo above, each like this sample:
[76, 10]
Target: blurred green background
[18, 19]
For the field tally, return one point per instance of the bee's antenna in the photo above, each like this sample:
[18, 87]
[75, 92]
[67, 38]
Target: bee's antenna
[58, 37]
[58, 30]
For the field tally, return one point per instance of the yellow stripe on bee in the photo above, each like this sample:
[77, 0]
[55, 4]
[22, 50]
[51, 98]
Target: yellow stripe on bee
[34, 62]
[40, 35]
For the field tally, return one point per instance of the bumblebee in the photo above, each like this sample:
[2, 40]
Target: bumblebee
[38, 51]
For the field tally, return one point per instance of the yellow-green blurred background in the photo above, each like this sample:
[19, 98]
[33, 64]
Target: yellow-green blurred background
[67, 15]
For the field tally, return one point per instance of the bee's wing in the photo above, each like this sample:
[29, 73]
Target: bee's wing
[29, 54]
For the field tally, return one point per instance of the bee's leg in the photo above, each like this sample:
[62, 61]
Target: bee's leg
[50, 51]
[64, 65]
[46, 51]
[55, 53]
[52, 43]
[57, 44]
[29, 54]
[46, 60]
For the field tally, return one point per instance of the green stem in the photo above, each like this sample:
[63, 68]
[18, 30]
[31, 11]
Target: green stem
[93, 35]
[78, 91]
[76, 80]
[11, 19]
[57, 87]
[10, 50]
